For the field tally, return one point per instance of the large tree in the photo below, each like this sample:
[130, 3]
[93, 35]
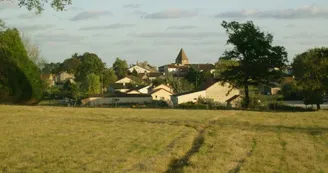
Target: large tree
[197, 77]
[109, 77]
[179, 85]
[120, 67]
[311, 73]
[38, 5]
[20, 80]
[90, 63]
[256, 56]
[71, 65]
[52, 67]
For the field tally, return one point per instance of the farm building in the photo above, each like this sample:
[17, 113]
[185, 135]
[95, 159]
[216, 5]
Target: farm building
[215, 91]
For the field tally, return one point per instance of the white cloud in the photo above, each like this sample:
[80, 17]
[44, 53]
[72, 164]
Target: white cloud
[112, 26]
[183, 27]
[35, 27]
[90, 14]
[296, 13]
[172, 13]
[131, 5]
[177, 34]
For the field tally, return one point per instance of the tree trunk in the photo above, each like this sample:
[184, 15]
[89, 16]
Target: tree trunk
[246, 96]
[318, 106]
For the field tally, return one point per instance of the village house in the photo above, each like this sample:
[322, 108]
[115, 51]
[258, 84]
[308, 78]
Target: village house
[272, 89]
[142, 67]
[49, 79]
[129, 80]
[124, 81]
[62, 77]
[181, 66]
[161, 94]
[144, 89]
[138, 69]
[214, 91]
[161, 86]
[150, 76]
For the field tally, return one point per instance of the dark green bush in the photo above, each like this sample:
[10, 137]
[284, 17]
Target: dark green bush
[20, 79]
[278, 106]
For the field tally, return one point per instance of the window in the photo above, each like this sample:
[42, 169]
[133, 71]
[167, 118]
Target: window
[195, 98]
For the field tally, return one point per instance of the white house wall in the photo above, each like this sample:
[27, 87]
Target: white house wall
[218, 93]
[191, 97]
[163, 87]
[96, 101]
[161, 95]
[144, 90]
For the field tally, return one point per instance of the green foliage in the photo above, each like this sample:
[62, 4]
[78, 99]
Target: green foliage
[291, 91]
[179, 85]
[194, 76]
[2, 25]
[256, 57]
[134, 73]
[92, 84]
[311, 73]
[51, 68]
[120, 67]
[71, 65]
[223, 65]
[279, 106]
[109, 77]
[20, 80]
[90, 63]
[159, 81]
[38, 5]
[73, 88]
[197, 77]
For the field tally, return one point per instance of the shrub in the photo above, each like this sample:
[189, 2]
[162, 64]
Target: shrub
[20, 80]
[279, 106]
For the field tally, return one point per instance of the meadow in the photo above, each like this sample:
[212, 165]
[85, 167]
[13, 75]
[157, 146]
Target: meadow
[60, 139]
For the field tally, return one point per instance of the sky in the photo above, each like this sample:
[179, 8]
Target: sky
[155, 31]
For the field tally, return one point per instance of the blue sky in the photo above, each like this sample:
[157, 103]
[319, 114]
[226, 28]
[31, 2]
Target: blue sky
[154, 31]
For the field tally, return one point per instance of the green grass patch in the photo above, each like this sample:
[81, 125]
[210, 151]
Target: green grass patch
[62, 139]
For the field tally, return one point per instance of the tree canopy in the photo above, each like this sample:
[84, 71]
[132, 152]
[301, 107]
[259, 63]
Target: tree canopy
[38, 5]
[20, 80]
[120, 67]
[256, 56]
[92, 84]
[109, 77]
[311, 73]
[90, 63]
[71, 65]
[53, 68]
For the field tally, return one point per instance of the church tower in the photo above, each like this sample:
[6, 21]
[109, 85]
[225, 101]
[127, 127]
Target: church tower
[182, 58]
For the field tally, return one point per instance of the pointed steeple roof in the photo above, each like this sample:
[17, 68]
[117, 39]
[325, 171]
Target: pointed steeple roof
[181, 57]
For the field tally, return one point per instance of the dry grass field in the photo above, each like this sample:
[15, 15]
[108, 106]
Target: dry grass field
[57, 139]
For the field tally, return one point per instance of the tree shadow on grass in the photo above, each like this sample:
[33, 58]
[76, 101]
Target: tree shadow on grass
[177, 165]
